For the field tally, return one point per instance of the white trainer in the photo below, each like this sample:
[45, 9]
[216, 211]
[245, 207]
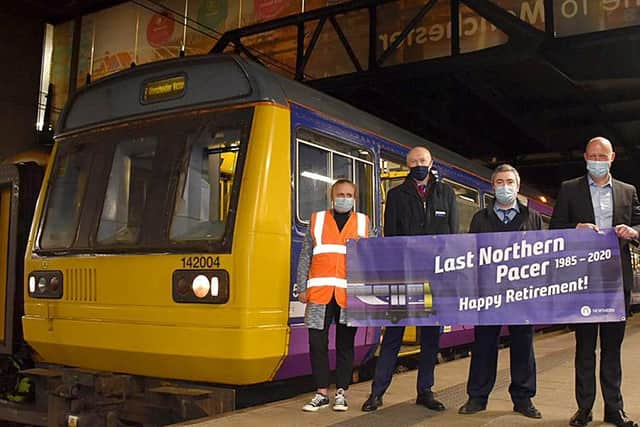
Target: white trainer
[319, 401]
[340, 402]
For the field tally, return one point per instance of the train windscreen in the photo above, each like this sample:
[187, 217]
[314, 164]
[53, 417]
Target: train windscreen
[123, 179]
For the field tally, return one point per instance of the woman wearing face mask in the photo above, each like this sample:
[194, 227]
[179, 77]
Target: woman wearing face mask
[505, 214]
[322, 280]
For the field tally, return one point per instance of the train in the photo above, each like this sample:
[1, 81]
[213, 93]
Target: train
[162, 251]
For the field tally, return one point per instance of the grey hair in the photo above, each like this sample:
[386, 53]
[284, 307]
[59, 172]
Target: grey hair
[505, 168]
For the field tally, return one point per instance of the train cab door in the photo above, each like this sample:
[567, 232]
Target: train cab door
[19, 188]
[9, 195]
[393, 171]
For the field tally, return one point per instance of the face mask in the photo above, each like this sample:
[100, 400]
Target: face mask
[597, 168]
[505, 194]
[419, 173]
[343, 204]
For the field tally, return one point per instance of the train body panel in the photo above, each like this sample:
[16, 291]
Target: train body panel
[118, 314]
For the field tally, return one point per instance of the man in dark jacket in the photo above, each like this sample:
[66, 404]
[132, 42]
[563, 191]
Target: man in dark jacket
[592, 202]
[505, 214]
[421, 205]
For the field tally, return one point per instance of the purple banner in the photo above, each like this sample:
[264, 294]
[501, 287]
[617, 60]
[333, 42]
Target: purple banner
[523, 277]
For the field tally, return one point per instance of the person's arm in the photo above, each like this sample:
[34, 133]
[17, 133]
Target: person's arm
[304, 262]
[631, 231]
[474, 227]
[454, 220]
[560, 217]
[390, 215]
[635, 211]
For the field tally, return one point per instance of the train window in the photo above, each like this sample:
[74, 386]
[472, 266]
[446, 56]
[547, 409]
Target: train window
[364, 180]
[205, 187]
[488, 199]
[468, 200]
[127, 190]
[321, 161]
[314, 180]
[67, 189]
[546, 220]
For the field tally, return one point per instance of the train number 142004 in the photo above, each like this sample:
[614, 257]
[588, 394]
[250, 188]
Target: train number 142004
[200, 262]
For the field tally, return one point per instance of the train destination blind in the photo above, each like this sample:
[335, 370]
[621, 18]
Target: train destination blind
[521, 277]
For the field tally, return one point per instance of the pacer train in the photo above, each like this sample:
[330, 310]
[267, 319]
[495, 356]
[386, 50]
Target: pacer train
[165, 238]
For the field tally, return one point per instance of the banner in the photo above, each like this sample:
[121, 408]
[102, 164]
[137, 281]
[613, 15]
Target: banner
[529, 277]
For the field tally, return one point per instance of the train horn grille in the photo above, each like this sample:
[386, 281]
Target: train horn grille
[80, 284]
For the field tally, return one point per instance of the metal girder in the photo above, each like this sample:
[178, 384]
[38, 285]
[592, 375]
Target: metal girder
[411, 25]
[519, 31]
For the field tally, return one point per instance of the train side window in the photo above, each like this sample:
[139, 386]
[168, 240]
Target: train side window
[127, 191]
[488, 199]
[314, 180]
[321, 161]
[67, 185]
[468, 200]
[546, 220]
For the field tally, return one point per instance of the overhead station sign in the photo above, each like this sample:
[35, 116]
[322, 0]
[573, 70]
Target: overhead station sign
[532, 277]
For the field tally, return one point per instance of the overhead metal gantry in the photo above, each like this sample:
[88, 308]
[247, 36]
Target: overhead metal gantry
[541, 96]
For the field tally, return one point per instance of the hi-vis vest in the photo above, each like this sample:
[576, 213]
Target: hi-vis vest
[328, 272]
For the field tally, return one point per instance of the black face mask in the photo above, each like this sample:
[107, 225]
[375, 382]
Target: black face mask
[419, 173]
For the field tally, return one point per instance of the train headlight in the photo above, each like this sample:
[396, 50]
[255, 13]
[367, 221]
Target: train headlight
[200, 286]
[45, 284]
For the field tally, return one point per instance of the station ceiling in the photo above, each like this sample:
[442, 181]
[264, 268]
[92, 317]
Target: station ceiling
[535, 109]
[533, 102]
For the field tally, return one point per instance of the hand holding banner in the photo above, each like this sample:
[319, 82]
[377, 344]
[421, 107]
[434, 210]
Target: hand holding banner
[522, 277]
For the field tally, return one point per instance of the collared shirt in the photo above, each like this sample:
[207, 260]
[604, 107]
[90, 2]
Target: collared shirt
[423, 189]
[602, 200]
[506, 215]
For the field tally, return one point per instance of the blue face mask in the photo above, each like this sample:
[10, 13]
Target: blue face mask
[597, 168]
[505, 194]
[419, 173]
[343, 204]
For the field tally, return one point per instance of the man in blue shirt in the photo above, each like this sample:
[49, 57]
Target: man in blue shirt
[594, 202]
[506, 213]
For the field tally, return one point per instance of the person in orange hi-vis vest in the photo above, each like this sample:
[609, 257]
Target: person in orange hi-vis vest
[322, 280]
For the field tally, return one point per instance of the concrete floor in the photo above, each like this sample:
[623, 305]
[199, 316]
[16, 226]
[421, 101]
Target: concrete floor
[555, 398]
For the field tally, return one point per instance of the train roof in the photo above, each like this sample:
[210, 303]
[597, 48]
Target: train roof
[219, 80]
[120, 96]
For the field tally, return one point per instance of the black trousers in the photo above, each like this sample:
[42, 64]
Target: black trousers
[484, 363]
[611, 336]
[319, 350]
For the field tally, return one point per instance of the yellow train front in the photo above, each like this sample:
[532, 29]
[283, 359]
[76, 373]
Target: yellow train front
[162, 239]
[159, 246]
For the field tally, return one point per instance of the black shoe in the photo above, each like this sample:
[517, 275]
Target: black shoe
[581, 418]
[472, 406]
[427, 400]
[527, 409]
[372, 403]
[619, 419]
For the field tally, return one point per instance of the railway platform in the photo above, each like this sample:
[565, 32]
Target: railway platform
[555, 397]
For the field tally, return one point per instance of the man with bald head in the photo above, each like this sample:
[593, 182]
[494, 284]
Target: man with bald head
[596, 201]
[422, 204]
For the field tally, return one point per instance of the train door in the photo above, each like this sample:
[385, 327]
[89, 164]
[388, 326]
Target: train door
[393, 171]
[9, 188]
[19, 188]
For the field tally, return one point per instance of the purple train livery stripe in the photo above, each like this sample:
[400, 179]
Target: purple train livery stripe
[522, 277]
